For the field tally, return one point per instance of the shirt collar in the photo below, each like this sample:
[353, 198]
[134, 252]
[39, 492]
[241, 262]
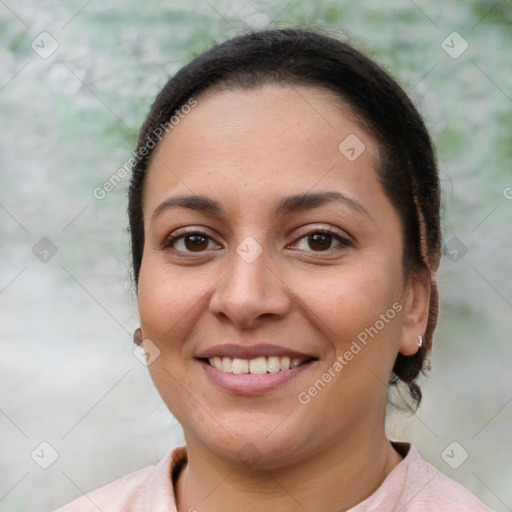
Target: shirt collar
[159, 494]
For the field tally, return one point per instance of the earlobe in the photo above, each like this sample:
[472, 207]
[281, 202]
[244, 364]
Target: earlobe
[417, 307]
[137, 336]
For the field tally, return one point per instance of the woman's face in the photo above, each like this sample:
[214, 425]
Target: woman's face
[292, 256]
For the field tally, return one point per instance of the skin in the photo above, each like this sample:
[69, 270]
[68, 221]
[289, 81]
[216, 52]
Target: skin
[247, 150]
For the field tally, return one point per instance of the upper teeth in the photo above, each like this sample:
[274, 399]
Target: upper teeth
[256, 366]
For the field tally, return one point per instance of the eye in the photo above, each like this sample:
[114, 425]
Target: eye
[188, 241]
[196, 241]
[321, 240]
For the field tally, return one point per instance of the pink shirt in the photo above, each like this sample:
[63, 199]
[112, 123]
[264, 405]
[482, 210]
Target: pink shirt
[412, 486]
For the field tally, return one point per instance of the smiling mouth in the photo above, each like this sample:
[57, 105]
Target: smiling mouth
[256, 366]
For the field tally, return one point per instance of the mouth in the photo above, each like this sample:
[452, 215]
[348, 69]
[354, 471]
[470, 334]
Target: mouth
[253, 370]
[256, 366]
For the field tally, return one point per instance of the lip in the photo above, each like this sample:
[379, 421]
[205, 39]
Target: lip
[240, 351]
[248, 384]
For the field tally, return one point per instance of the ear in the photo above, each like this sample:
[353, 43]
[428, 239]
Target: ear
[416, 309]
[137, 336]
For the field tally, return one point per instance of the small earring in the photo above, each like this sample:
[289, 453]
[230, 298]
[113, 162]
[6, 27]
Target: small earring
[137, 336]
[420, 341]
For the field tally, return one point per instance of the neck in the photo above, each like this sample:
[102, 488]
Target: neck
[336, 478]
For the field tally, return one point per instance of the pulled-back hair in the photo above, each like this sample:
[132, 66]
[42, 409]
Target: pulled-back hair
[406, 164]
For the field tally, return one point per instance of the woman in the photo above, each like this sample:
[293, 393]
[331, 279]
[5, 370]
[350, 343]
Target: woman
[285, 227]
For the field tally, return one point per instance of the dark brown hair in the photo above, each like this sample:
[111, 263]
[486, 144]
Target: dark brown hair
[406, 164]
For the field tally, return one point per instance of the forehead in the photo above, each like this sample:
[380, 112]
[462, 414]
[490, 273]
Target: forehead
[250, 145]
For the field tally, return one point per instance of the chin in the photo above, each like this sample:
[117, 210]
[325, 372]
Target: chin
[257, 445]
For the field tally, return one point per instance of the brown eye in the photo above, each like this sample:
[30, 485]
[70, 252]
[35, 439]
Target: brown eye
[320, 241]
[197, 242]
[191, 242]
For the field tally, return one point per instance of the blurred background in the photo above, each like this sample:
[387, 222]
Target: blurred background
[77, 409]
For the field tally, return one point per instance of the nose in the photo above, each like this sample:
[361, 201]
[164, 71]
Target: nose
[249, 292]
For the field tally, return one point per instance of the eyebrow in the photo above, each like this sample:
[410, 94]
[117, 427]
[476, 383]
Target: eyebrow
[285, 206]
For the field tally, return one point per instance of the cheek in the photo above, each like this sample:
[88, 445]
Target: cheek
[166, 303]
[360, 314]
[168, 311]
[155, 298]
[350, 301]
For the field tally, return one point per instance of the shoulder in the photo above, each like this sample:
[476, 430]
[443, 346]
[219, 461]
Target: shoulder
[427, 489]
[123, 492]
[131, 493]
